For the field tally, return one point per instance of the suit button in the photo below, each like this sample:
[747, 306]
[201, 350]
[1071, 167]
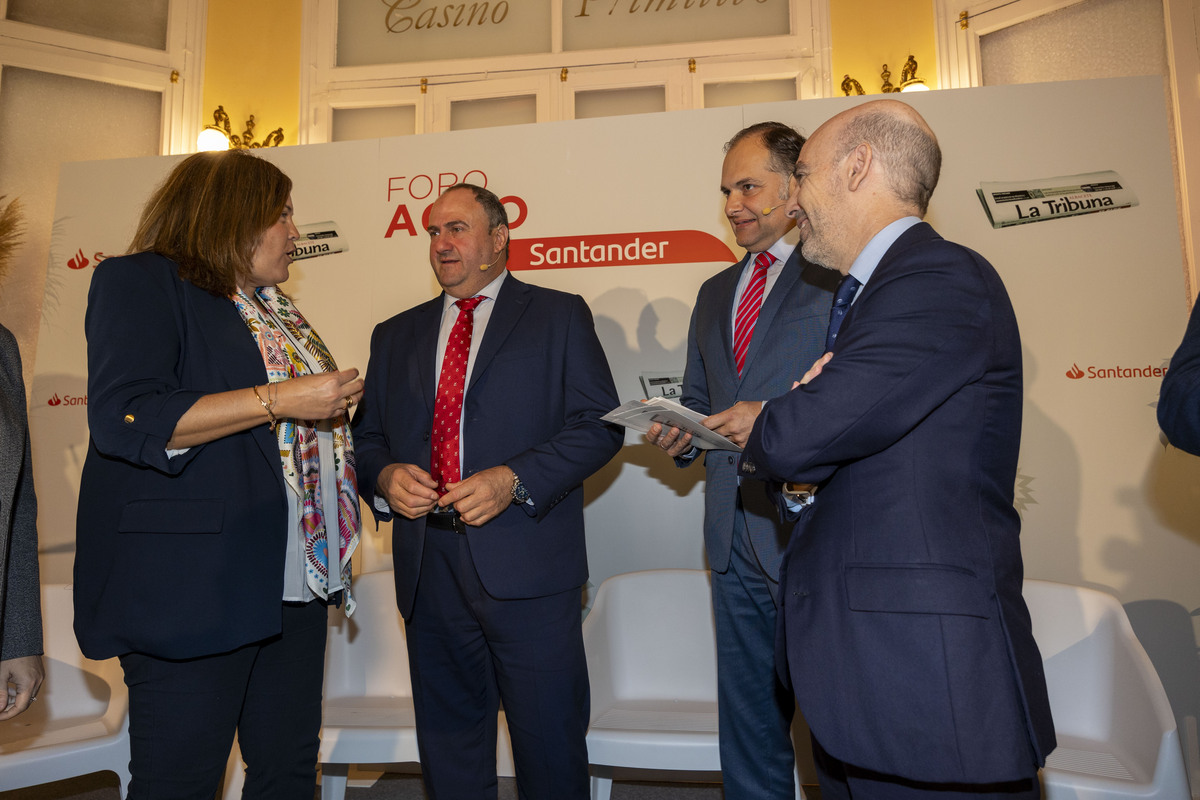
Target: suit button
[129, 418]
[731, 459]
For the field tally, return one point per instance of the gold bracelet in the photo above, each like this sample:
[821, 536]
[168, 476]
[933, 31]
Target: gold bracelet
[266, 406]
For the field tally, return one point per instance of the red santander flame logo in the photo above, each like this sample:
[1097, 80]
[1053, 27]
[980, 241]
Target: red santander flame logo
[55, 400]
[78, 261]
[1074, 373]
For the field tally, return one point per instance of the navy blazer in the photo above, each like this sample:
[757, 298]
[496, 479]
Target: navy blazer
[539, 385]
[908, 641]
[788, 337]
[174, 557]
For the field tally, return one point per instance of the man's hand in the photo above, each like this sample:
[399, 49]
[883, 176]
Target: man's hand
[814, 370]
[735, 422]
[674, 441]
[23, 678]
[408, 489]
[481, 496]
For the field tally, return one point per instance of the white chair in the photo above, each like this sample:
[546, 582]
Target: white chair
[651, 654]
[368, 712]
[79, 723]
[1117, 737]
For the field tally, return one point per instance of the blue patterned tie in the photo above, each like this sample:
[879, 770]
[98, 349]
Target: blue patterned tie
[841, 304]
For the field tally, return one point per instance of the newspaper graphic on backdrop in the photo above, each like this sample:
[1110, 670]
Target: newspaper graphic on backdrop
[1017, 202]
[319, 239]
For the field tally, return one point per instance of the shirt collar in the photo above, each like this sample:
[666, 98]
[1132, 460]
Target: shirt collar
[490, 291]
[864, 266]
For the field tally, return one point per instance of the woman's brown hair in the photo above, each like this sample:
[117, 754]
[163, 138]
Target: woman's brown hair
[209, 215]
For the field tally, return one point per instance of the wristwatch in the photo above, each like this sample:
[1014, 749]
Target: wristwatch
[519, 493]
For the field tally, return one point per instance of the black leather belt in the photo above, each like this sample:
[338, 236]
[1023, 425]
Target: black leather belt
[446, 521]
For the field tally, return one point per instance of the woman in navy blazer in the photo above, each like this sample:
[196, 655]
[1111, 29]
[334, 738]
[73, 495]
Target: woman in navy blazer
[219, 458]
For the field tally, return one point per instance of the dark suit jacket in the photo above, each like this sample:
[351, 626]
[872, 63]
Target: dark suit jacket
[788, 337]
[538, 388]
[908, 642]
[20, 597]
[174, 557]
[1179, 396]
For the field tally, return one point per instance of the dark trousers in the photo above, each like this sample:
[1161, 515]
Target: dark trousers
[754, 708]
[183, 715]
[842, 781]
[468, 652]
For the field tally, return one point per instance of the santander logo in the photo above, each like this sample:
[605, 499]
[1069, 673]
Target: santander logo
[80, 261]
[67, 400]
[1093, 372]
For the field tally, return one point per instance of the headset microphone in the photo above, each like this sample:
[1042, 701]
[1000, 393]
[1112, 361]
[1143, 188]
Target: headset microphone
[766, 211]
[486, 267]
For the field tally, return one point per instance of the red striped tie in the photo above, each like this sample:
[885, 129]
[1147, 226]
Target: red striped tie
[447, 407]
[747, 313]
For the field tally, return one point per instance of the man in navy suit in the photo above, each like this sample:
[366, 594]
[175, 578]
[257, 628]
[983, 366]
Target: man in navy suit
[909, 645]
[775, 330]
[488, 543]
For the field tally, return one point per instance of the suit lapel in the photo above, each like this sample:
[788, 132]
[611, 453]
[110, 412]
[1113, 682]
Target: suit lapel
[510, 306]
[428, 322]
[917, 234]
[729, 289]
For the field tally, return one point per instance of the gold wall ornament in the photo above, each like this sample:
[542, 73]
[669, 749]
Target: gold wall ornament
[909, 82]
[210, 138]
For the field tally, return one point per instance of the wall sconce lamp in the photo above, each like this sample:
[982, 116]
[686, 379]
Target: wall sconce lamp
[218, 136]
[909, 82]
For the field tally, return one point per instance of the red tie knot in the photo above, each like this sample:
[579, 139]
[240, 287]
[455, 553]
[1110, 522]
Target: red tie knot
[469, 303]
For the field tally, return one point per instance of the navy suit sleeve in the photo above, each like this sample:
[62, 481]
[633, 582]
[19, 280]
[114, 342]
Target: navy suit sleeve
[915, 337]
[370, 441]
[584, 443]
[1179, 397]
[134, 334]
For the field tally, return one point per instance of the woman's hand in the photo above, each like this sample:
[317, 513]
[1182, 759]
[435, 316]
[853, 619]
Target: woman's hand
[323, 396]
[327, 395]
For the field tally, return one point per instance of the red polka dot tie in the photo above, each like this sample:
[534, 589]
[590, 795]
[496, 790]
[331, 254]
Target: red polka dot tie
[748, 308]
[447, 407]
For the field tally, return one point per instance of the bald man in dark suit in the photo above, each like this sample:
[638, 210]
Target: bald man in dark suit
[907, 639]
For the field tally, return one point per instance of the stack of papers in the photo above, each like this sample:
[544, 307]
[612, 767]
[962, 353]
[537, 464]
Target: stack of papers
[640, 415]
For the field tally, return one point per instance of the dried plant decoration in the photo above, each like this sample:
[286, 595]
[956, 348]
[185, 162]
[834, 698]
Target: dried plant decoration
[12, 230]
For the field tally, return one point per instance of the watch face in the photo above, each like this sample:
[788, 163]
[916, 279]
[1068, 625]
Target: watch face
[519, 492]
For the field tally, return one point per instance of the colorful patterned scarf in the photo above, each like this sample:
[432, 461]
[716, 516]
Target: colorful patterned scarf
[298, 438]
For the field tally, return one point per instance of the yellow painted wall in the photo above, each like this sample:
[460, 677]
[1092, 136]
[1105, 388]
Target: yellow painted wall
[866, 34]
[252, 64]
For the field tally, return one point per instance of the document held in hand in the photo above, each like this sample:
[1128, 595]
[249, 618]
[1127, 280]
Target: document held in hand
[640, 415]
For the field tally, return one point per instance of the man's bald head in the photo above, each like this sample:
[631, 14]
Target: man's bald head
[901, 140]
